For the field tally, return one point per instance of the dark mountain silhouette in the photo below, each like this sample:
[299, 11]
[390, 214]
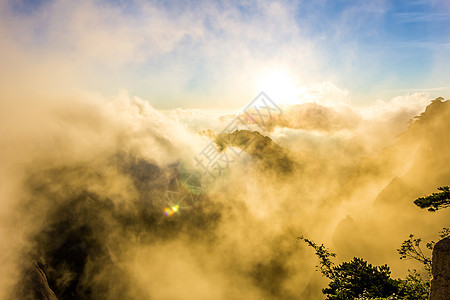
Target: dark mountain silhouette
[415, 166]
[84, 230]
[272, 156]
[86, 227]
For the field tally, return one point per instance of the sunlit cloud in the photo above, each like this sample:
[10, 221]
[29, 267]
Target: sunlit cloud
[176, 56]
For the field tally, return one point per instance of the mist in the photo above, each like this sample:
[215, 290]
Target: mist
[105, 106]
[85, 182]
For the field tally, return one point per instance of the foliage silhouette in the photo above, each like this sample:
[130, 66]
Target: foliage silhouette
[435, 201]
[353, 279]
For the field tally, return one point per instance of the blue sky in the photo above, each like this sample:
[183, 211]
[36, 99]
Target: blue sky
[216, 53]
[397, 39]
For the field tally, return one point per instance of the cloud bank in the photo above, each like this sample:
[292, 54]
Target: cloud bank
[86, 178]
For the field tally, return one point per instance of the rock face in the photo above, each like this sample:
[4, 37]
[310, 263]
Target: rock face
[42, 290]
[440, 284]
[263, 148]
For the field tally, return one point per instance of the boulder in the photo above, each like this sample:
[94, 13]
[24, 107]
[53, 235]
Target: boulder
[440, 287]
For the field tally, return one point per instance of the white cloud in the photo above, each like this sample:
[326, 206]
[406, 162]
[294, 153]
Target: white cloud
[205, 51]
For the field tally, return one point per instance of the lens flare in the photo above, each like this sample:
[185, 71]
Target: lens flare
[169, 211]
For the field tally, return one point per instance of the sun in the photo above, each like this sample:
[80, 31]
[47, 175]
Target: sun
[280, 85]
